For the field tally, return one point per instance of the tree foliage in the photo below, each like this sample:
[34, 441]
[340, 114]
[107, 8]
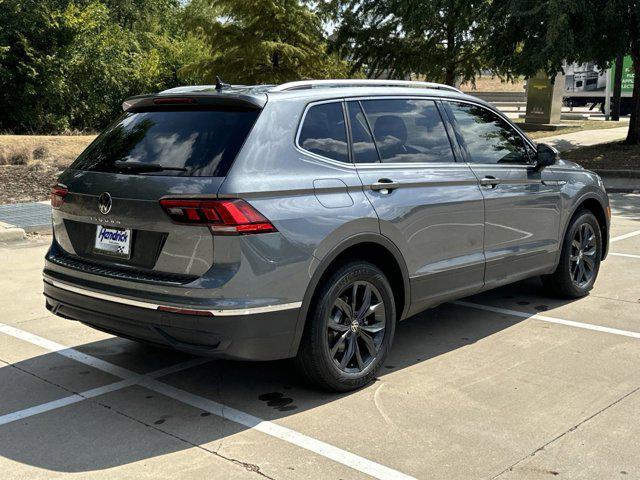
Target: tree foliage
[442, 40]
[540, 35]
[261, 41]
[69, 64]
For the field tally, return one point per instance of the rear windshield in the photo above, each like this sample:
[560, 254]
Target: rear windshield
[194, 143]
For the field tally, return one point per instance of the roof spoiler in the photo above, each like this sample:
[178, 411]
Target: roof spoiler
[346, 83]
[143, 102]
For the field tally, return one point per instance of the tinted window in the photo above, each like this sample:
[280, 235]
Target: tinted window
[364, 150]
[489, 139]
[408, 131]
[202, 142]
[324, 133]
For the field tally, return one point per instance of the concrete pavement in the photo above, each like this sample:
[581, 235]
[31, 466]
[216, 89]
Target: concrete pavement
[586, 138]
[511, 384]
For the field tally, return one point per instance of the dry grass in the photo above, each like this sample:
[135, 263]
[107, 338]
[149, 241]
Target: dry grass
[30, 164]
[576, 126]
[493, 84]
[60, 149]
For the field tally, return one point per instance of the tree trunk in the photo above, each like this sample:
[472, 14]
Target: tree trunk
[617, 88]
[633, 136]
[450, 77]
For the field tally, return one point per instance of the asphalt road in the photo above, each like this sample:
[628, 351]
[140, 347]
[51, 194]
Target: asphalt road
[506, 384]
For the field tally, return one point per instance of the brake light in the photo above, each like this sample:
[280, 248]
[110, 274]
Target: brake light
[173, 100]
[224, 217]
[58, 192]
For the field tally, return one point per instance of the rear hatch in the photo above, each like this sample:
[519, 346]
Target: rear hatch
[107, 214]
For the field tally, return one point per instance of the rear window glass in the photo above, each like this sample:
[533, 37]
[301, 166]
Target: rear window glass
[324, 132]
[195, 143]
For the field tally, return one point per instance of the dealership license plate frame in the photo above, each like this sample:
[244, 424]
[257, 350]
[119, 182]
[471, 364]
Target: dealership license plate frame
[110, 247]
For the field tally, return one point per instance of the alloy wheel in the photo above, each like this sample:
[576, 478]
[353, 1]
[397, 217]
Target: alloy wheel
[356, 327]
[582, 258]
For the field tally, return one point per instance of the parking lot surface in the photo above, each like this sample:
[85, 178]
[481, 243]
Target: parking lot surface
[507, 384]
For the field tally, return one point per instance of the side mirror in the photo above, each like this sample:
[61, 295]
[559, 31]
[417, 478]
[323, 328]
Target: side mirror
[545, 156]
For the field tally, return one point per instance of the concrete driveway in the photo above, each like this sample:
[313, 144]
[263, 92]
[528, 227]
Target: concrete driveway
[506, 384]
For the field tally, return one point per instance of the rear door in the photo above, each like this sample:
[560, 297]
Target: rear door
[111, 218]
[522, 205]
[428, 204]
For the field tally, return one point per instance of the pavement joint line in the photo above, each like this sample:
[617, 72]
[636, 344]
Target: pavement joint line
[625, 236]
[545, 318]
[558, 437]
[628, 255]
[293, 437]
[95, 392]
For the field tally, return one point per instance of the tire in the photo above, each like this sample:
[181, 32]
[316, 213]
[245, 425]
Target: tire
[567, 281]
[364, 338]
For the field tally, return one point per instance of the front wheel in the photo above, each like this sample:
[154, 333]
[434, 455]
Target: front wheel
[349, 329]
[580, 257]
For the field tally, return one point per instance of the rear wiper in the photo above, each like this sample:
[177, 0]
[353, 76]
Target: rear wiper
[136, 167]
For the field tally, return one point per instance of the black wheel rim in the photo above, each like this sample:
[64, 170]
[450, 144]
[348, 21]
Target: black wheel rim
[356, 326]
[583, 256]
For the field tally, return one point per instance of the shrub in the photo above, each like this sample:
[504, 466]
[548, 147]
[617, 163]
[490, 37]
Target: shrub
[19, 157]
[40, 152]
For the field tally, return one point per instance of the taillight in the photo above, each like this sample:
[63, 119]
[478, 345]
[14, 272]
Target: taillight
[224, 217]
[58, 192]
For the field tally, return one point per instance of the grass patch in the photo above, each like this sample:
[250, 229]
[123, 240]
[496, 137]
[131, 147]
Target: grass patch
[606, 156]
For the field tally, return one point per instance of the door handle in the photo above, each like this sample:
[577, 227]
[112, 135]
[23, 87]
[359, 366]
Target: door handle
[490, 181]
[384, 186]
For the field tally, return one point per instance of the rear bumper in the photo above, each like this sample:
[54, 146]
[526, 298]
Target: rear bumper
[257, 334]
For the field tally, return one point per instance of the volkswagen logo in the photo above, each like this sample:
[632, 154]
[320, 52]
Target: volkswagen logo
[104, 203]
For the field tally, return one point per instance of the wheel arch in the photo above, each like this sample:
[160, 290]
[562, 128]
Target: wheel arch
[595, 206]
[371, 247]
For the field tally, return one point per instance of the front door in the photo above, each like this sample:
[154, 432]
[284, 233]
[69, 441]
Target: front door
[522, 204]
[428, 204]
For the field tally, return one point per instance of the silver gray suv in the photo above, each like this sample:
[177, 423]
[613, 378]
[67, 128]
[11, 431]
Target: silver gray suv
[304, 220]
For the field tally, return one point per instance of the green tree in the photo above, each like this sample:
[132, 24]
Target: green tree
[68, 64]
[261, 41]
[541, 35]
[442, 40]
[32, 35]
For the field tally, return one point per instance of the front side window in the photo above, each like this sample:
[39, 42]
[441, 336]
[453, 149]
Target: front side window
[324, 133]
[408, 131]
[488, 138]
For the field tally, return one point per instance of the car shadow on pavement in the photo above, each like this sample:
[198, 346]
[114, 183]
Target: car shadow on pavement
[135, 424]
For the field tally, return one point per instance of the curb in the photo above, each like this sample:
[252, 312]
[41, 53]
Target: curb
[12, 234]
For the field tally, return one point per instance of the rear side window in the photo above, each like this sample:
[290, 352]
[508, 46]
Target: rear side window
[194, 143]
[408, 131]
[488, 138]
[324, 133]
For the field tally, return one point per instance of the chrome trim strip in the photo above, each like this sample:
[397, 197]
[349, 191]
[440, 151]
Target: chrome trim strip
[154, 306]
[346, 83]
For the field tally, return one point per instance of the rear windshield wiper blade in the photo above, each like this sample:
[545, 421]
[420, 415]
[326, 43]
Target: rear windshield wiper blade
[136, 167]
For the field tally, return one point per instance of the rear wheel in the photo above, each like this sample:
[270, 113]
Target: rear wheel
[349, 329]
[580, 258]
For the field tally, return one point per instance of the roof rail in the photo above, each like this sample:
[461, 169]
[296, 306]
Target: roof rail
[305, 84]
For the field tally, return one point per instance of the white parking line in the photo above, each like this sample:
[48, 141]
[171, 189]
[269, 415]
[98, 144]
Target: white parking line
[545, 318]
[95, 392]
[326, 450]
[626, 235]
[628, 255]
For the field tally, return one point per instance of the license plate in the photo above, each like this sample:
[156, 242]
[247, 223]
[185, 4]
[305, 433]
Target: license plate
[113, 241]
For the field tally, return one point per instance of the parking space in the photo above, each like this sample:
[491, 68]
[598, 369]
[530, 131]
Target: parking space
[506, 384]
